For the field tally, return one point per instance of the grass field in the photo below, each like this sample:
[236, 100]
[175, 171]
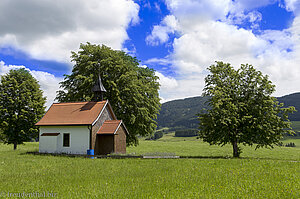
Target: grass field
[190, 146]
[258, 174]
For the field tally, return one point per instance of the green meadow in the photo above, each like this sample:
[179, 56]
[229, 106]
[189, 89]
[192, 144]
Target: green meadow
[212, 173]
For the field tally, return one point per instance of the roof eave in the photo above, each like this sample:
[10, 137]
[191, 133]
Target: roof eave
[126, 131]
[118, 127]
[62, 124]
[94, 122]
[110, 110]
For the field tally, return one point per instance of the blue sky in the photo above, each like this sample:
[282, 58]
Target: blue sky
[178, 38]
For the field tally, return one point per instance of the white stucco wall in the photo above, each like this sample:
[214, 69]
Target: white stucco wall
[79, 139]
[48, 143]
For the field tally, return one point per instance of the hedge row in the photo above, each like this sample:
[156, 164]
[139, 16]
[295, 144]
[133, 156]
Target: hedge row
[186, 133]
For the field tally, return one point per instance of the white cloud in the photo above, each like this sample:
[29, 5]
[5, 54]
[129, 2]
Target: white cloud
[206, 36]
[293, 5]
[186, 87]
[6, 68]
[190, 9]
[162, 61]
[212, 41]
[48, 82]
[275, 53]
[166, 82]
[250, 4]
[143, 66]
[253, 18]
[160, 33]
[50, 29]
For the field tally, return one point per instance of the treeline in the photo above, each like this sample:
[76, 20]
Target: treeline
[186, 133]
[156, 136]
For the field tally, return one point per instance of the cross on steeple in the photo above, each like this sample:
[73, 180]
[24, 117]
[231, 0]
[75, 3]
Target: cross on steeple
[98, 90]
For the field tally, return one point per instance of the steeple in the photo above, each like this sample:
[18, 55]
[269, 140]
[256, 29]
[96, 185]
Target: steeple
[98, 90]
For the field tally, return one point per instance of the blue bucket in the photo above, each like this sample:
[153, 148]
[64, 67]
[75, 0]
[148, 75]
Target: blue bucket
[90, 153]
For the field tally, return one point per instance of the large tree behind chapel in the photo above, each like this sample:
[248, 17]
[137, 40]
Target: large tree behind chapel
[242, 109]
[21, 106]
[131, 90]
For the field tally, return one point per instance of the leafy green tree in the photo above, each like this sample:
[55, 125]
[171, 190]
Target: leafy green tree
[131, 90]
[21, 106]
[242, 110]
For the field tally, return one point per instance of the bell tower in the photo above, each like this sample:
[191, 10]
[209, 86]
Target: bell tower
[98, 90]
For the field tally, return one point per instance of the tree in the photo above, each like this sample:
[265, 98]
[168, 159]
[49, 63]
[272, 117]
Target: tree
[242, 110]
[21, 106]
[131, 90]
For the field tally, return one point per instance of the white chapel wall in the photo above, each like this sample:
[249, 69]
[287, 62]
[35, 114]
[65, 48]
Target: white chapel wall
[79, 139]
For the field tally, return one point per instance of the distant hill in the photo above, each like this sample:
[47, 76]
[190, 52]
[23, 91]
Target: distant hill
[181, 114]
[292, 100]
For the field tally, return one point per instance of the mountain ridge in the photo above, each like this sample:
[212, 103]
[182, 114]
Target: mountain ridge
[181, 113]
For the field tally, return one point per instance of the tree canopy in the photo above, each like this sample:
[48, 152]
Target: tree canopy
[21, 106]
[242, 110]
[131, 90]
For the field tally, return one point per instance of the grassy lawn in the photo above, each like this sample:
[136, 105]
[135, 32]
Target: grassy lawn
[191, 146]
[259, 174]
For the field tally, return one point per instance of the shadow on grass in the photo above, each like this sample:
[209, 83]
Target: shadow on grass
[115, 156]
[126, 156]
[52, 154]
[205, 157]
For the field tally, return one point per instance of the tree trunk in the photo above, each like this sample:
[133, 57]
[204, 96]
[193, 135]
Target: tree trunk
[15, 145]
[236, 151]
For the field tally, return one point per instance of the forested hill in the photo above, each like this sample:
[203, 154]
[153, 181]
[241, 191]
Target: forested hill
[182, 113]
[292, 100]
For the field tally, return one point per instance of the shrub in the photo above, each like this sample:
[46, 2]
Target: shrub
[291, 144]
[158, 135]
[186, 133]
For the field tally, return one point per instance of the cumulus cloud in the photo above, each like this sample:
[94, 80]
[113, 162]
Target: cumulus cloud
[185, 87]
[253, 17]
[293, 6]
[197, 49]
[250, 4]
[166, 82]
[160, 33]
[190, 9]
[50, 29]
[48, 82]
[211, 36]
[161, 61]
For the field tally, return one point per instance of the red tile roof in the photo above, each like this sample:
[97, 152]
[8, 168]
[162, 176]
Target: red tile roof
[110, 127]
[79, 113]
